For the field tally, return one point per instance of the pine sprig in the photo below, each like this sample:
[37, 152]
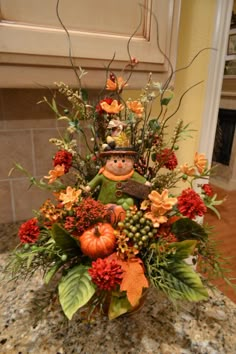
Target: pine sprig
[166, 181]
[213, 264]
[168, 271]
[25, 260]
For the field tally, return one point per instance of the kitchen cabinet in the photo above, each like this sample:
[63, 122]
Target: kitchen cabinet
[35, 48]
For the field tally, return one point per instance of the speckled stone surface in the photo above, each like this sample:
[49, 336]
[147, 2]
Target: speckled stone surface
[27, 326]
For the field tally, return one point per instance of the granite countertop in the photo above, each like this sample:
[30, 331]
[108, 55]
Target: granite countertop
[27, 326]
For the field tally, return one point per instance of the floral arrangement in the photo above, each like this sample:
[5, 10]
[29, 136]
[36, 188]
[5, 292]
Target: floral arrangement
[115, 224]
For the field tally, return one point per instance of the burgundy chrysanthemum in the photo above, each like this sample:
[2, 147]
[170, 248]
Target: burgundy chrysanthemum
[87, 213]
[207, 189]
[99, 108]
[29, 231]
[190, 204]
[63, 157]
[106, 274]
[70, 223]
[168, 158]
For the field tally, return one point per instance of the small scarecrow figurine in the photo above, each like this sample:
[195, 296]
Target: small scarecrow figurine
[119, 183]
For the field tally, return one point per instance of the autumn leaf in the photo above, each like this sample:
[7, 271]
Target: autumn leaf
[133, 280]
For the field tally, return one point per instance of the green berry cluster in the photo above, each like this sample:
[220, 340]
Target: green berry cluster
[138, 229]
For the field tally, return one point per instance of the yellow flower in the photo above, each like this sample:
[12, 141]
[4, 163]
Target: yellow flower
[116, 85]
[136, 107]
[189, 171]
[113, 108]
[70, 197]
[58, 171]
[161, 203]
[200, 162]
[145, 204]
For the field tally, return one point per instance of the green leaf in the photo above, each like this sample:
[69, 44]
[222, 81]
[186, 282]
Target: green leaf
[62, 238]
[75, 290]
[214, 210]
[118, 306]
[30, 259]
[64, 118]
[183, 283]
[54, 105]
[183, 249]
[84, 93]
[154, 125]
[52, 271]
[154, 156]
[187, 229]
[165, 101]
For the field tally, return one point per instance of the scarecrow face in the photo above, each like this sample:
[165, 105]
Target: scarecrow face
[119, 165]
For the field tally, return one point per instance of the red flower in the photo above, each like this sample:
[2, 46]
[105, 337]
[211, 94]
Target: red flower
[70, 223]
[63, 157]
[99, 109]
[207, 189]
[167, 158]
[164, 232]
[29, 231]
[106, 274]
[190, 204]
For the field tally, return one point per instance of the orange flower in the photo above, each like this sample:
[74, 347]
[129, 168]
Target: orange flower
[156, 219]
[161, 203]
[189, 171]
[58, 171]
[70, 197]
[136, 107]
[116, 85]
[49, 211]
[200, 162]
[112, 108]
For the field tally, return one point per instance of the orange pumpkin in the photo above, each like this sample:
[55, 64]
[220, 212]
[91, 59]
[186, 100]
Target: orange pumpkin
[98, 241]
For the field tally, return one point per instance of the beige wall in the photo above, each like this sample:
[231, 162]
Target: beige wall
[196, 30]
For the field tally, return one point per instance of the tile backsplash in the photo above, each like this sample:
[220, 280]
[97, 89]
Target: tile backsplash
[25, 129]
